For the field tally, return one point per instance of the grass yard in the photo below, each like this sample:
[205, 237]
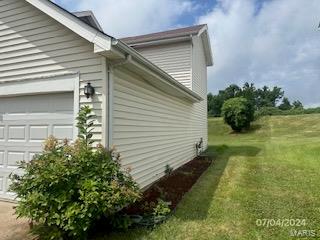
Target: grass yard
[272, 172]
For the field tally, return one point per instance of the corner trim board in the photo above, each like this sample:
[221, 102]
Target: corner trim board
[110, 106]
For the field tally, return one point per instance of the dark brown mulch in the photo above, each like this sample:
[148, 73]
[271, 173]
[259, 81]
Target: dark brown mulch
[173, 187]
[170, 188]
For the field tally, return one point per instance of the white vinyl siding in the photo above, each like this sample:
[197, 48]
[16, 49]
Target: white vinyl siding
[151, 128]
[199, 85]
[199, 68]
[173, 58]
[33, 45]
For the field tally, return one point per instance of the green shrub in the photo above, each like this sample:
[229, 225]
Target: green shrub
[312, 110]
[67, 187]
[274, 111]
[161, 209]
[238, 113]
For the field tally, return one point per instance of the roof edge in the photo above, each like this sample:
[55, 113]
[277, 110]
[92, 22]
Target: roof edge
[104, 43]
[170, 37]
[204, 34]
[73, 23]
[163, 35]
[154, 68]
[91, 15]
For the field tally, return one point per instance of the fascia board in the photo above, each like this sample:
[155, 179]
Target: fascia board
[73, 23]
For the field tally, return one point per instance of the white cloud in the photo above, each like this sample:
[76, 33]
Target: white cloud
[277, 45]
[122, 18]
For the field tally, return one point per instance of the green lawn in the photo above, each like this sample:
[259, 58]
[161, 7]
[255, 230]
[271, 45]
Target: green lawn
[272, 172]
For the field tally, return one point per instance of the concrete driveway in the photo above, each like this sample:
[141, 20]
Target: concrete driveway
[12, 228]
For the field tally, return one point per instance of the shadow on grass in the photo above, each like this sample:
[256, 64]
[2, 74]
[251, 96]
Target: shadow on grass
[202, 195]
[253, 128]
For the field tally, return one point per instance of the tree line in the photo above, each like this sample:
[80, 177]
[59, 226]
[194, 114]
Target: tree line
[259, 98]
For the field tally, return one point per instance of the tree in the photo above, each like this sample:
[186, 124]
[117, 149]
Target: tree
[250, 93]
[258, 98]
[232, 91]
[215, 102]
[297, 105]
[214, 105]
[238, 113]
[267, 97]
[209, 103]
[285, 105]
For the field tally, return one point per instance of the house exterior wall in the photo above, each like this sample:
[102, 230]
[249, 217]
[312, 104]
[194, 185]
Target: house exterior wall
[174, 58]
[33, 45]
[151, 129]
[199, 85]
[189, 58]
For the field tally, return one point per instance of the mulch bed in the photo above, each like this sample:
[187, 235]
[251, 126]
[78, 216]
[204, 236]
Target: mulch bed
[171, 188]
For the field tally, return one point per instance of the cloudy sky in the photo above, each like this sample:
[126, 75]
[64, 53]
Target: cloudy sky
[268, 42]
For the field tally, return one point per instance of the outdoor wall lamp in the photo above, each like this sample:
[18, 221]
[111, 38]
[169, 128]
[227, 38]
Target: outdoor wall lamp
[88, 90]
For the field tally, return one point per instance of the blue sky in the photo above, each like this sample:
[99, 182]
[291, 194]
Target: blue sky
[187, 18]
[268, 42]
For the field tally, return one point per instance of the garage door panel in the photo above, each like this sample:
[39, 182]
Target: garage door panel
[1, 184]
[63, 105]
[63, 131]
[23, 145]
[1, 159]
[32, 154]
[16, 133]
[2, 128]
[36, 117]
[25, 123]
[14, 157]
[38, 132]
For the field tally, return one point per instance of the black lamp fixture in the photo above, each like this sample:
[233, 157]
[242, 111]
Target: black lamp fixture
[88, 90]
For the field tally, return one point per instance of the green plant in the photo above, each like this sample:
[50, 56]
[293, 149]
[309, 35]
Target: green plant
[121, 222]
[85, 125]
[238, 113]
[161, 209]
[285, 105]
[274, 111]
[67, 187]
[168, 169]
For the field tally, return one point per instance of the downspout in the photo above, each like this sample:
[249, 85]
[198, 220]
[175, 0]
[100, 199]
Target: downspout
[110, 77]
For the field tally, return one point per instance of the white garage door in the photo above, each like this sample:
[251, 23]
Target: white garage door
[25, 121]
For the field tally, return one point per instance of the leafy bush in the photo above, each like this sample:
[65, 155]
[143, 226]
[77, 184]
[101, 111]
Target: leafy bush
[312, 110]
[161, 209]
[238, 113]
[154, 213]
[67, 187]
